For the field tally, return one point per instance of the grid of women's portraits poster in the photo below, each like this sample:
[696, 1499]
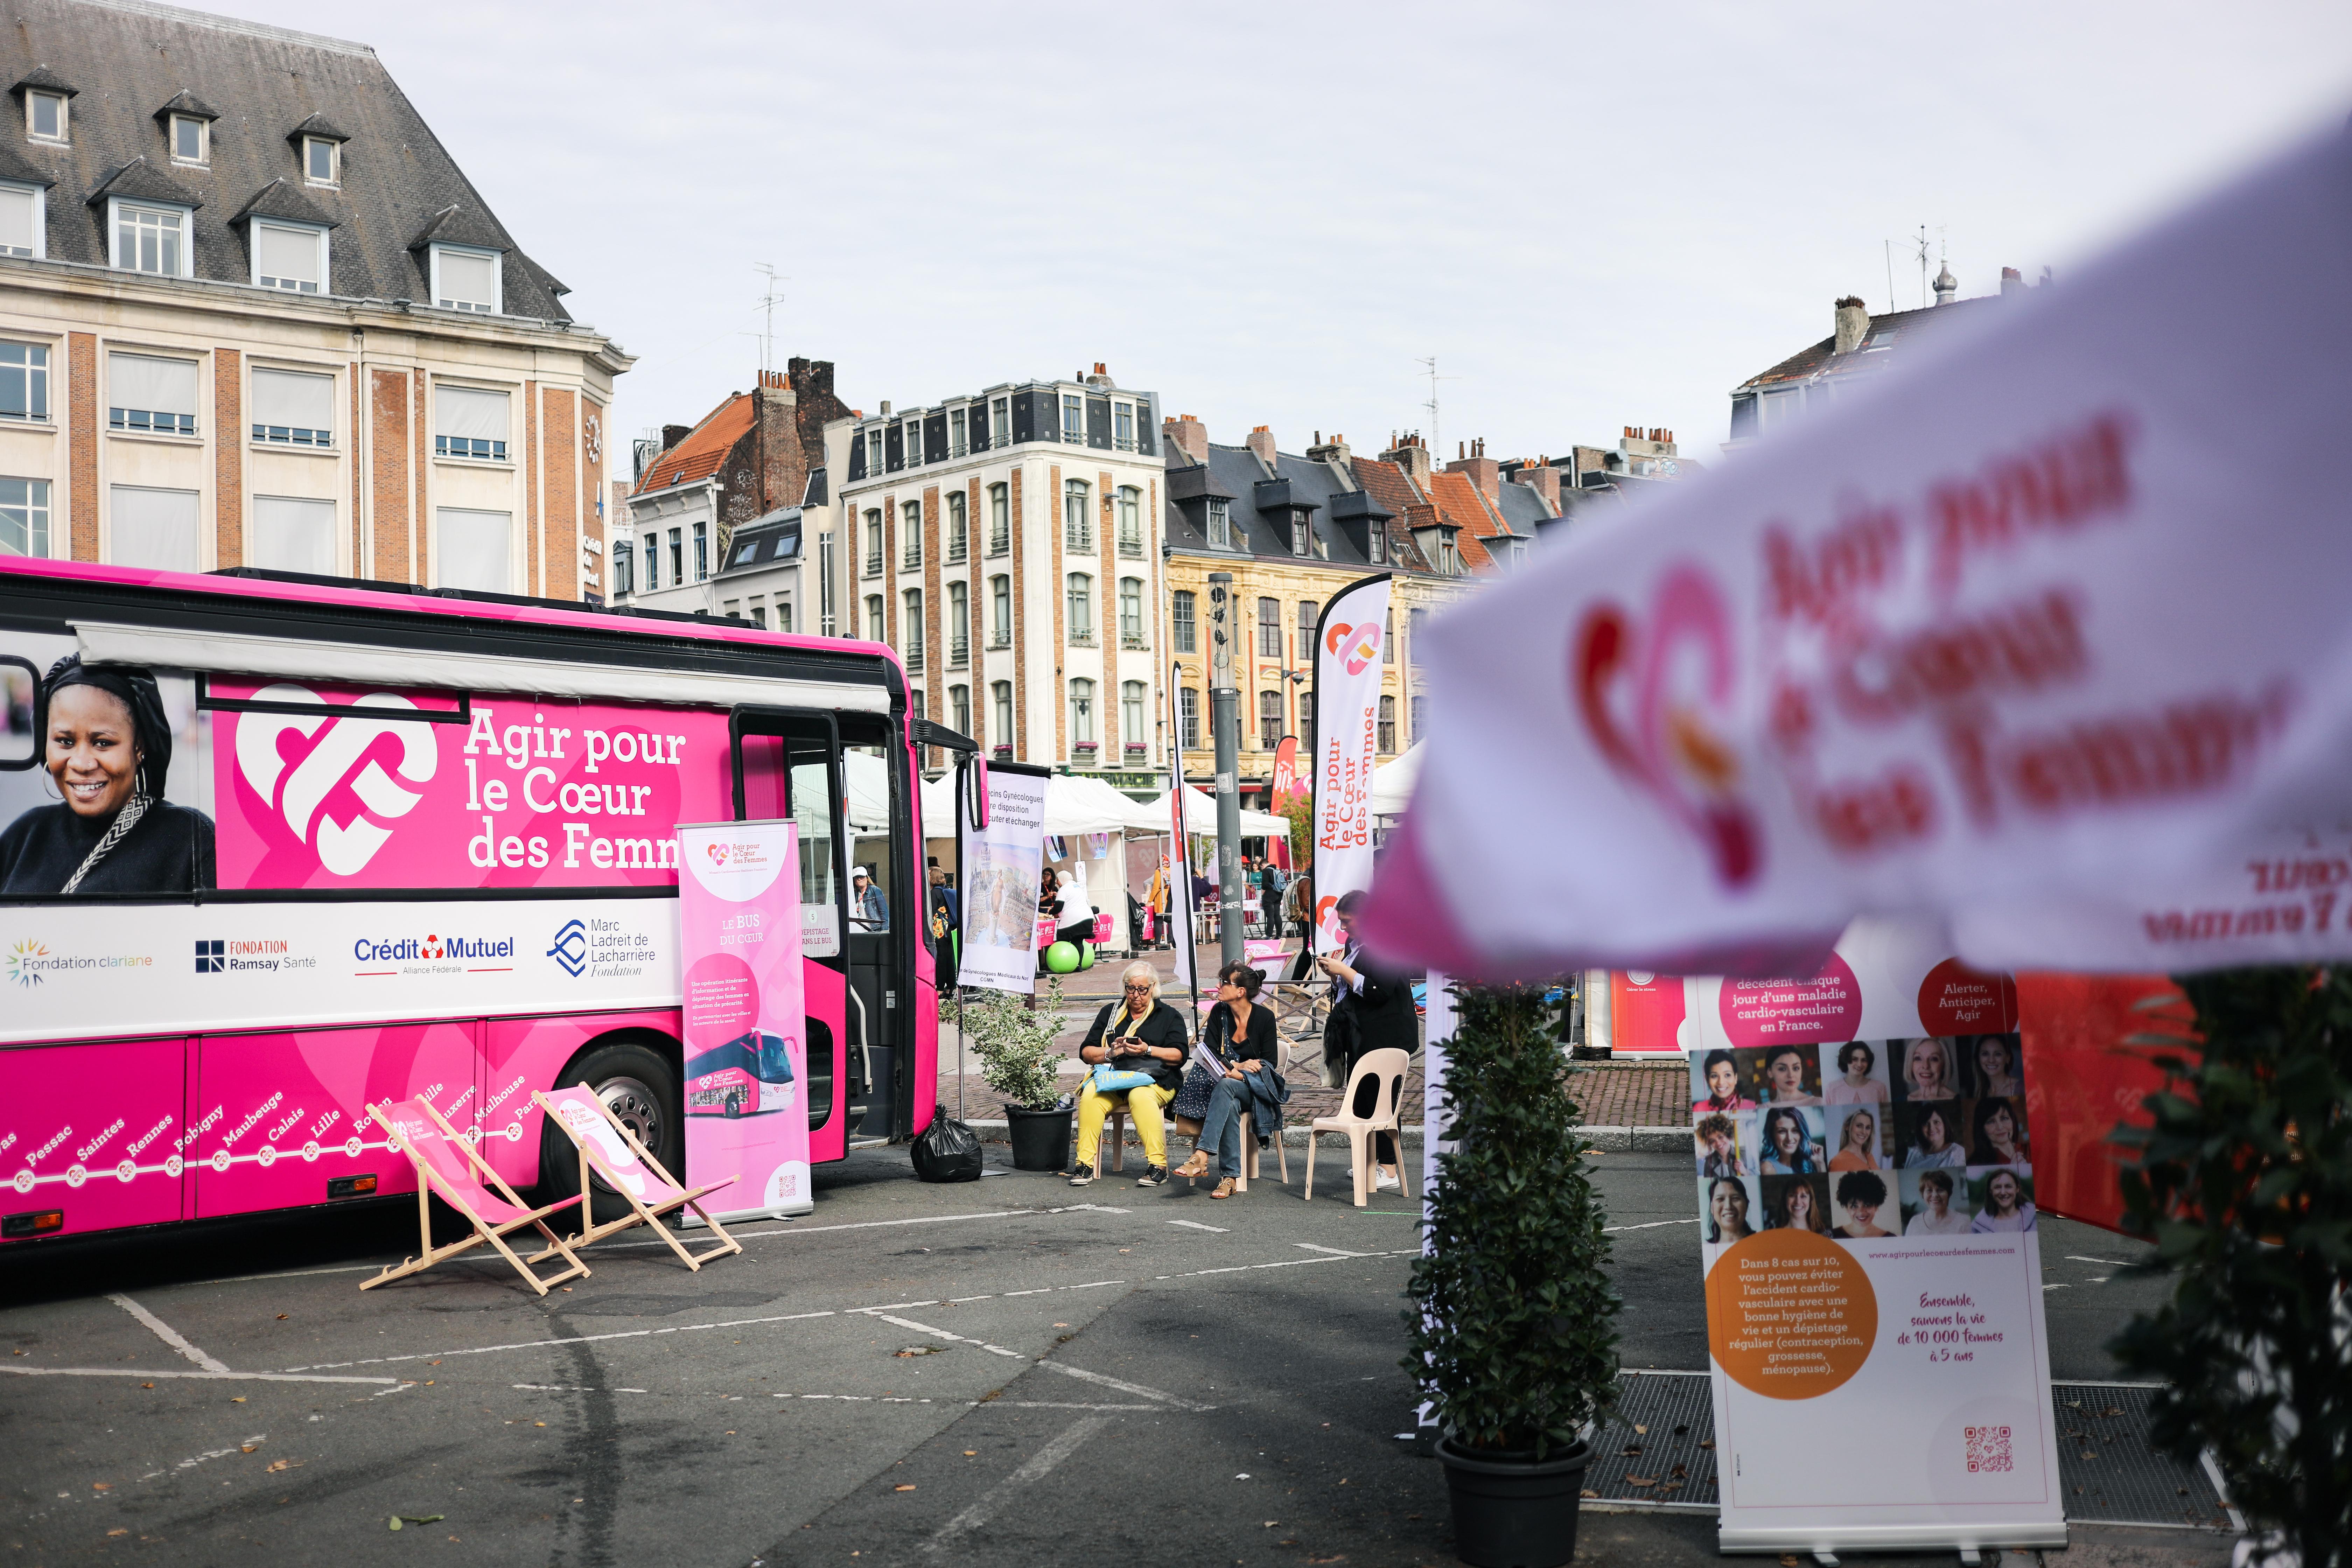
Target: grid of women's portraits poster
[1863, 1139]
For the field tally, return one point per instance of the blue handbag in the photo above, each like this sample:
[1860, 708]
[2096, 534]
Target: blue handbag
[1110, 1079]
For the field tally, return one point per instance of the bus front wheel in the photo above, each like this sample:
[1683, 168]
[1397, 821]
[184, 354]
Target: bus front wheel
[641, 1090]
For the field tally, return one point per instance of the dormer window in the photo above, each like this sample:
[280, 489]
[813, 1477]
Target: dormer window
[191, 140]
[22, 227]
[1221, 523]
[322, 161]
[466, 279]
[150, 238]
[293, 257]
[1302, 536]
[44, 116]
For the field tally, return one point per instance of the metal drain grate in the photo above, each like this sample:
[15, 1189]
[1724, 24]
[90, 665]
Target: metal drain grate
[2110, 1473]
[1658, 1451]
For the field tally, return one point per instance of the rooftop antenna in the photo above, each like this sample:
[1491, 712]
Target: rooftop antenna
[1891, 304]
[768, 304]
[1437, 444]
[1921, 246]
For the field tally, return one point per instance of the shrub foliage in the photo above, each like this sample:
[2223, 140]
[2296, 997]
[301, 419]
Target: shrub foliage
[1511, 1336]
[1016, 1044]
[2245, 1179]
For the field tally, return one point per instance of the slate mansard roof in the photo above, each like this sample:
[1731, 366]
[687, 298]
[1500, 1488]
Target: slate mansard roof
[128, 61]
[1261, 507]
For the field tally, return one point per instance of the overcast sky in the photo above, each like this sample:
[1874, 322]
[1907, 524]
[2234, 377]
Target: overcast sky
[1591, 215]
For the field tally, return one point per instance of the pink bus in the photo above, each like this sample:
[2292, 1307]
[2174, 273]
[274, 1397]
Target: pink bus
[273, 849]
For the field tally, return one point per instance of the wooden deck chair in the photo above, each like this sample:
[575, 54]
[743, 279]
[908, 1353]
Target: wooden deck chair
[608, 1148]
[447, 1164]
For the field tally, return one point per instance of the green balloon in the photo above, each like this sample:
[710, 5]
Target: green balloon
[1086, 955]
[1061, 958]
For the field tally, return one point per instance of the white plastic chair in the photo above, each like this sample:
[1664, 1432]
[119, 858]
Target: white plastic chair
[1370, 1105]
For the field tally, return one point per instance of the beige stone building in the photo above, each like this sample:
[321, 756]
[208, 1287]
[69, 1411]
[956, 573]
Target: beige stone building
[253, 315]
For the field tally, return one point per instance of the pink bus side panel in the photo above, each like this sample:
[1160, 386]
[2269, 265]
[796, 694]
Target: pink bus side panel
[526, 1054]
[94, 1130]
[285, 1109]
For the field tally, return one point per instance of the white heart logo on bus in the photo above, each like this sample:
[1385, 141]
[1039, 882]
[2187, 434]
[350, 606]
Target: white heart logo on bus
[300, 785]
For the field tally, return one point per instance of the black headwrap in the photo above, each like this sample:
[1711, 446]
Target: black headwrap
[151, 729]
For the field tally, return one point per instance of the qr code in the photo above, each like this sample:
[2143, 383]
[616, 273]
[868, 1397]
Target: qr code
[1988, 1448]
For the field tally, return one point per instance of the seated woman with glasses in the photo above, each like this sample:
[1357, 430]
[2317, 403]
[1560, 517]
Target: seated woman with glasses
[1138, 1034]
[1239, 1034]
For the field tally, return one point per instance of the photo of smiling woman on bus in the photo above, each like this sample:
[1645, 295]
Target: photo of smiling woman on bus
[107, 746]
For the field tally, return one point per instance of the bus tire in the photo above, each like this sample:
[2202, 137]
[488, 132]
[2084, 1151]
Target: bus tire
[734, 1105]
[641, 1088]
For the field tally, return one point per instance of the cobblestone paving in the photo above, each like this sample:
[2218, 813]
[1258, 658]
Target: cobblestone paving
[1615, 1094]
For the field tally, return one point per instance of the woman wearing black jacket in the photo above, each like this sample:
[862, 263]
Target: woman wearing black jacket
[1372, 1010]
[1140, 1033]
[1240, 1034]
[107, 748]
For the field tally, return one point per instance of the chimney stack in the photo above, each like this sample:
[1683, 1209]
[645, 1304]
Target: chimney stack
[1542, 477]
[1188, 436]
[1851, 322]
[2012, 281]
[1261, 441]
[1335, 450]
[672, 434]
[1412, 454]
[1481, 470]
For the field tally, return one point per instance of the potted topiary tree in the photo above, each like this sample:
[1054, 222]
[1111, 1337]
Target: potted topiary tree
[2243, 1177]
[1510, 1334]
[1014, 1042]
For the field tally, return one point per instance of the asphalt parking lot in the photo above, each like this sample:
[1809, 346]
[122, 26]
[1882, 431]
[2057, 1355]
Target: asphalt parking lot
[1009, 1370]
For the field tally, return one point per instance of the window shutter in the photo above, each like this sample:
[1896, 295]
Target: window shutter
[290, 254]
[157, 385]
[299, 402]
[16, 208]
[155, 528]
[468, 280]
[294, 535]
[473, 548]
[464, 411]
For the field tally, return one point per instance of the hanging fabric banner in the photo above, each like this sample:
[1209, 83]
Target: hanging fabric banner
[1347, 667]
[1001, 865]
[1993, 640]
[739, 914]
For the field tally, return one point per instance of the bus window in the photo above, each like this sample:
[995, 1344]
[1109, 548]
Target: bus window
[812, 810]
[786, 767]
[866, 773]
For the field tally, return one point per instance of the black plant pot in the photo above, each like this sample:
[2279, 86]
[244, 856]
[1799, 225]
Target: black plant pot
[1511, 1512]
[1041, 1138]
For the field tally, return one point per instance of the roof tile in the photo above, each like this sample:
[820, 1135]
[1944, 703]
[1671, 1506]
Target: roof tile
[704, 448]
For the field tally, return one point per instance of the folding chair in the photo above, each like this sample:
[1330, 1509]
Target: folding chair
[446, 1165]
[1367, 1106]
[608, 1147]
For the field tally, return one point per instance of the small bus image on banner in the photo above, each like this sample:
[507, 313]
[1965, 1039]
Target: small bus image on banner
[750, 1074]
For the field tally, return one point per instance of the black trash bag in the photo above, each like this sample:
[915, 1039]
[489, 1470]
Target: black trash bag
[947, 1151]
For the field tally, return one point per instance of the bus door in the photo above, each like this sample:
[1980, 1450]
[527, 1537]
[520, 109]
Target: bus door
[787, 764]
[884, 919]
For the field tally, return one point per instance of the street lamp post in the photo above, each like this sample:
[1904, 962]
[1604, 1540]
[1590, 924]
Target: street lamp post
[1225, 717]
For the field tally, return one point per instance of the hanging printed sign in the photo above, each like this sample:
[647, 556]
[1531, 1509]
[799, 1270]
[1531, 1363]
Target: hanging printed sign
[1001, 929]
[1994, 640]
[746, 1057]
[1348, 661]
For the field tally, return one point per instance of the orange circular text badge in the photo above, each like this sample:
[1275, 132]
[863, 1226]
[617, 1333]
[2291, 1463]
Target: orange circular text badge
[1788, 1314]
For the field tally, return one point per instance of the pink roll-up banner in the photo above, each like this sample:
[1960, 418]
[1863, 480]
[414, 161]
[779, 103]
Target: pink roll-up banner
[739, 913]
[1348, 661]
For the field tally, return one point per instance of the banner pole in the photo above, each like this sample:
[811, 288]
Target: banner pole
[1180, 858]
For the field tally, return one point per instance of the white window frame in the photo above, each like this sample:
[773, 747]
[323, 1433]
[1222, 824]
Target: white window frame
[1083, 729]
[1128, 508]
[1078, 590]
[1000, 611]
[873, 452]
[253, 245]
[40, 196]
[914, 441]
[959, 624]
[1130, 625]
[334, 163]
[959, 543]
[1000, 427]
[1079, 516]
[114, 208]
[42, 537]
[64, 116]
[910, 625]
[497, 279]
[910, 526]
[874, 552]
[204, 153]
[1000, 518]
[1220, 523]
[1122, 419]
[1134, 705]
[1074, 420]
[1000, 697]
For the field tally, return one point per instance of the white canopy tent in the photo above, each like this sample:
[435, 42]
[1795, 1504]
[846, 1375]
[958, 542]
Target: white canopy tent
[1393, 783]
[1200, 817]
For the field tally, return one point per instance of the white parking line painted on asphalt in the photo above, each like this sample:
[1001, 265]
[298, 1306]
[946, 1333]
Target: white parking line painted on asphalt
[1033, 1469]
[168, 1334]
[1136, 1388]
[189, 1463]
[574, 1388]
[222, 1377]
[1332, 1250]
[568, 1340]
[1196, 1224]
[1650, 1224]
